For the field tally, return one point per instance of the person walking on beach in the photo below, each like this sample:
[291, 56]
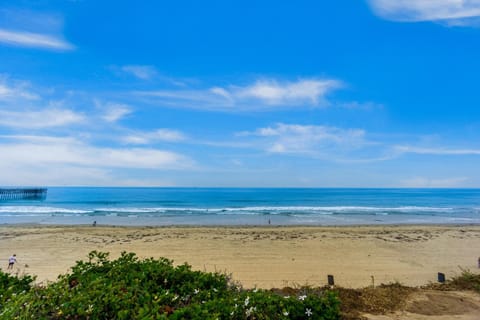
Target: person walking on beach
[11, 261]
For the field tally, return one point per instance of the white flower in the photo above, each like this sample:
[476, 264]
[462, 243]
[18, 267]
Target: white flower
[249, 311]
[285, 313]
[232, 313]
[308, 312]
[255, 290]
[215, 290]
[196, 291]
[302, 297]
[247, 301]
[236, 306]
[286, 297]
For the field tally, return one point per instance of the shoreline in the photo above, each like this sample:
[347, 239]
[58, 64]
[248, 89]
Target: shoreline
[265, 256]
[233, 226]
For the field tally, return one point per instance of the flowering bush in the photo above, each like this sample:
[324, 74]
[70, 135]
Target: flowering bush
[129, 288]
[10, 286]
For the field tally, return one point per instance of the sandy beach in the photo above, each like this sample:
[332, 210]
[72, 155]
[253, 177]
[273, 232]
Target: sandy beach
[264, 257]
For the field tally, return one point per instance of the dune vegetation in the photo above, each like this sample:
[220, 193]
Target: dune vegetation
[131, 288]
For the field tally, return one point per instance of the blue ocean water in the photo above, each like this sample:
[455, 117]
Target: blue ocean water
[245, 206]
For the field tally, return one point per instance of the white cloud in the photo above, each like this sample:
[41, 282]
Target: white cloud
[195, 99]
[14, 90]
[115, 114]
[136, 139]
[140, 71]
[222, 92]
[167, 135]
[435, 151]
[148, 72]
[27, 152]
[58, 175]
[261, 94]
[273, 92]
[308, 139]
[112, 112]
[45, 118]
[422, 182]
[51, 160]
[33, 40]
[38, 139]
[450, 11]
[68, 175]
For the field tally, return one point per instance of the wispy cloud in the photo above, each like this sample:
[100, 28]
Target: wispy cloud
[187, 98]
[50, 160]
[14, 90]
[166, 135]
[140, 71]
[33, 40]
[259, 95]
[115, 114]
[346, 145]
[273, 92]
[435, 151]
[112, 111]
[461, 12]
[307, 139]
[150, 73]
[33, 29]
[38, 119]
[71, 151]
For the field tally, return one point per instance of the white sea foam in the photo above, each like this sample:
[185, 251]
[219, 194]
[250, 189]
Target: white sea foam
[337, 209]
[130, 210]
[254, 210]
[40, 210]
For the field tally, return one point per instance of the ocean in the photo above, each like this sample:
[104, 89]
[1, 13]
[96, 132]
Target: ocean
[245, 206]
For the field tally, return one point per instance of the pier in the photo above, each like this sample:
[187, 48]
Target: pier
[23, 194]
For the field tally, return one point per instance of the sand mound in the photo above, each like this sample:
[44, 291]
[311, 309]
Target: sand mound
[427, 304]
[443, 303]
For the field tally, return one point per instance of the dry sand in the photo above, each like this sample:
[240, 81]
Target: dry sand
[260, 256]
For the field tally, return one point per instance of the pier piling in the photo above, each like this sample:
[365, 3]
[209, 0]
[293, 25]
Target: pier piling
[23, 194]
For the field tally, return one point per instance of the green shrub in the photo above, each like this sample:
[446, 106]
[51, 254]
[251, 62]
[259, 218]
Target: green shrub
[129, 288]
[466, 281]
[10, 286]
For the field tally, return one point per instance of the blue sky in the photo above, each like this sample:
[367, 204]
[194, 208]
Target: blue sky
[374, 93]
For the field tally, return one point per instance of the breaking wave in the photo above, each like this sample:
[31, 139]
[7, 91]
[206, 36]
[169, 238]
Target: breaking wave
[254, 210]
